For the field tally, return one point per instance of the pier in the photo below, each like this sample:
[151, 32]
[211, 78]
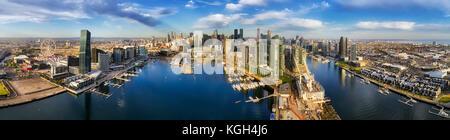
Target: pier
[100, 93]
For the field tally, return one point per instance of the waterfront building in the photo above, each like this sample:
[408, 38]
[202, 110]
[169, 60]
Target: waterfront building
[85, 52]
[142, 51]
[104, 60]
[130, 52]
[275, 59]
[343, 47]
[118, 55]
[353, 53]
[253, 58]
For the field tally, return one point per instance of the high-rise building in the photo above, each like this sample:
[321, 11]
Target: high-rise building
[258, 35]
[353, 53]
[241, 34]
[118, 55]
[168, 37]
[103, 60]
[85, 52]
[236, 34]
[94, 54]
[343, 47]
[129, 52]
[143, 51]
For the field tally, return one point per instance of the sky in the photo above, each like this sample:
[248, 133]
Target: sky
[312, 19]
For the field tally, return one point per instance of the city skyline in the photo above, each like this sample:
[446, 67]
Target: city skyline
[314, 19]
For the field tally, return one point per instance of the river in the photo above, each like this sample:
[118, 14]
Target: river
[159, 94]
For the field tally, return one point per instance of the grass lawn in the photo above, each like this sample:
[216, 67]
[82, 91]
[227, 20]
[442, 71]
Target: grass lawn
[3, 91]
[445, 100]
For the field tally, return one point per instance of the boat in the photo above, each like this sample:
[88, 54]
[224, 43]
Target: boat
[385, 90]
[408, 102]
[382, 92]
[442, 112]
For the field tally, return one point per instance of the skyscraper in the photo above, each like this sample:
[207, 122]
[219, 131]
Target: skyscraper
[353, 53]
[236, 34]
[103, 59]
[241, 34]
[258, 35]
[85, 52]
[94, 54]
[343, 48]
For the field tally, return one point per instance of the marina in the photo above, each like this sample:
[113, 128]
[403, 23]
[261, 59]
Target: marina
[354, 99]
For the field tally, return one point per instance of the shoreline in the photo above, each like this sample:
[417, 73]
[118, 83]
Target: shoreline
[397, 91]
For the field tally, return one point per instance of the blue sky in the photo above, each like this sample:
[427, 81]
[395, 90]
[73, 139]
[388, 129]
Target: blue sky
[313, 19]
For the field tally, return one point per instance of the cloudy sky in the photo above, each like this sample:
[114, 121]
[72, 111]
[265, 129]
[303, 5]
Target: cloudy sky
[313, 19]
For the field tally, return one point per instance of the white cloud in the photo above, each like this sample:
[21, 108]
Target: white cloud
[243, 3]
[307, 9]
[400, 25]
[190, 4]
[268, 15]
[443, 5]
[212, 3]
[302, 23]
[42, 10]
[216, 21]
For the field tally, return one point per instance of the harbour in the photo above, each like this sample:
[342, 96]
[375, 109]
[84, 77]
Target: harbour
[354, 99]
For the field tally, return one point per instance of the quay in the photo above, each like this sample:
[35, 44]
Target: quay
[398, 91]
[109, 76]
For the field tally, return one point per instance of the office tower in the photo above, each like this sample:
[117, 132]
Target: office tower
[274, 56]
[103, 60]
[118, 55]
[329, 48]
[85, 52]
[241, 34]
[435, 43]
[94, 54]
[353, 53]
[129, 52]
[258, 35]
[198, 40]
[236, 34]
[168, 37]
[343, 48]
